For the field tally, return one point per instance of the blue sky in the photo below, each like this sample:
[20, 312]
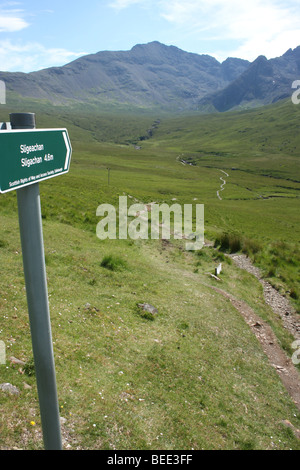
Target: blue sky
[36, 34]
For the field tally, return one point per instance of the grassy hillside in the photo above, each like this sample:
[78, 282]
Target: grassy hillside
[193, 376]
[259, 150]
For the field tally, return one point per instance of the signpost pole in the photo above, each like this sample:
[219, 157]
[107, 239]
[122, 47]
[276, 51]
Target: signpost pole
[30, 221]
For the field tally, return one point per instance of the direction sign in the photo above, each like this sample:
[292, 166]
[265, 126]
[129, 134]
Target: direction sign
[32, 155]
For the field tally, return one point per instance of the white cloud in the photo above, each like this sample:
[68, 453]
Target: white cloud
[26, 56]
[33, 56]
[12, 21]
[122, 4]
[268, 27]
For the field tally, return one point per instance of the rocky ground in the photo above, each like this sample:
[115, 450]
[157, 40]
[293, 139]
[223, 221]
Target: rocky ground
[279, 304]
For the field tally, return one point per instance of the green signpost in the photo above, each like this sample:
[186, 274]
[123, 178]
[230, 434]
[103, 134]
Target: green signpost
[28, 156]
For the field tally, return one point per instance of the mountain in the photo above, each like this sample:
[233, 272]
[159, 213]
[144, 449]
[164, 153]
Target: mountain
[158, 76]
[146, 76]
[263, 82]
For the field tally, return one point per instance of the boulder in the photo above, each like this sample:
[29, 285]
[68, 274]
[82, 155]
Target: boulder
[8, 388]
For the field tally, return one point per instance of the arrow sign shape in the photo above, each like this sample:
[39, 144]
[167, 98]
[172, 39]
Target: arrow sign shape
[32, 155]
[68, 147]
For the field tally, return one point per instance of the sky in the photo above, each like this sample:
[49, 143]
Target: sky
[36, 34]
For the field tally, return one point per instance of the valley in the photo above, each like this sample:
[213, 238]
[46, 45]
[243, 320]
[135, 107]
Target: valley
[194, 375]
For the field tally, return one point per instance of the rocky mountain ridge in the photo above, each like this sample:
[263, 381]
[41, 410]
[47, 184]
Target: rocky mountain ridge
[158, 76]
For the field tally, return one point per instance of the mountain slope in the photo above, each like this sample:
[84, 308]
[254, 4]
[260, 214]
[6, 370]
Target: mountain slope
[264, 82]
[147, 75]
[158, 76]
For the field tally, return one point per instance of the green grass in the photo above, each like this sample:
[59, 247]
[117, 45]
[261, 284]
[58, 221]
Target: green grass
[113, 263]
[194, 377]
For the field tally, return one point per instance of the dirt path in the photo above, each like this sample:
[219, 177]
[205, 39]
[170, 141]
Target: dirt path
[222, 185]
[279, 360]
[279, 304]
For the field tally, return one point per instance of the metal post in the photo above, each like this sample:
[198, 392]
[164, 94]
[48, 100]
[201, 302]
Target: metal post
[31, 232]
